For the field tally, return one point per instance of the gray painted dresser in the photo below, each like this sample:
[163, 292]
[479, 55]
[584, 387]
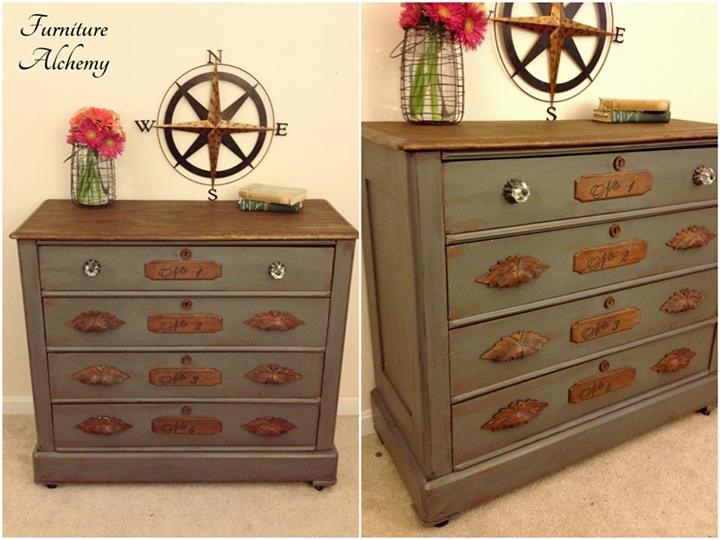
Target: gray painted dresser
[538, 292]
[185, 341]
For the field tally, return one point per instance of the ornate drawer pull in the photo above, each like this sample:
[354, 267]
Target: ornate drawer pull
[516, 191]
[515, 414]
[276, 270]
[272, 374]
[674, 361]
[274, 321]
[269, 426]
[103, 425]
[185, 376]
[694, 236]
[515, 346]
[92, 268]
[95, 321]
[682, 300]
[100, 375]
[513, 271]
[601, 384]
[703, 176]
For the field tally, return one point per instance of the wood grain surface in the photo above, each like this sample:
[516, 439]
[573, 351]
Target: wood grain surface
[529, 134]
[218, 221]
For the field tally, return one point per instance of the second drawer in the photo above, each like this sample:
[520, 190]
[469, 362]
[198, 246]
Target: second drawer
[174, 375]
[171, 321]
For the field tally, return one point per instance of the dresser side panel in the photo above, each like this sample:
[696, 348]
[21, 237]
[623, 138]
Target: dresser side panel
[426, 190]
[390, 268]
[35, 327]
[342, 270]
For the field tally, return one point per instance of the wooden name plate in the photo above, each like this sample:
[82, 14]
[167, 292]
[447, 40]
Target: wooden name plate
[599, 187]
[177, 323]
[182, 270]
[609, 256]
[604, 325]
[601, 385]
[185, 376]
[186, 425]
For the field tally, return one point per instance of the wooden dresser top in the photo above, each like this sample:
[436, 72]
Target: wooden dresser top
[61, 220]
[510, 135]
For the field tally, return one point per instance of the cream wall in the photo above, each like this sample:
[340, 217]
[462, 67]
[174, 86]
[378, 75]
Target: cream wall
[670, 51]
[305, 55]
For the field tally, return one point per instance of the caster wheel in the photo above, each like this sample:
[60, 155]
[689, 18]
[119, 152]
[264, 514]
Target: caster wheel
[51, 486]
[441, 523]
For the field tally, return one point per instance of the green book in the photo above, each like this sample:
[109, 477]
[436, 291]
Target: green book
[247, 205]
[615, 116]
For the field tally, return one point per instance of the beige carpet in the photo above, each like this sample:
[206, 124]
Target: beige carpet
[663, 483]
[292, 509]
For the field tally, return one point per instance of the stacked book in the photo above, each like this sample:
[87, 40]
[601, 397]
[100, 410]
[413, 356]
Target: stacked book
[267, 198]
[618, 111]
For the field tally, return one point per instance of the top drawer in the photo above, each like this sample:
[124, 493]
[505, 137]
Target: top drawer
[187, 268]
[571, 186]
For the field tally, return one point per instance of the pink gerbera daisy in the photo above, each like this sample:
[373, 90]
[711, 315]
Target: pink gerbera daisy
[451, 15]
[471, 32]
[410, 15]
[89, 134]
[112, 146]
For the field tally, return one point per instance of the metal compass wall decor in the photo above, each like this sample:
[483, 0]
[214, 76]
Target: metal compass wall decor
[215, 124]
[552, 52]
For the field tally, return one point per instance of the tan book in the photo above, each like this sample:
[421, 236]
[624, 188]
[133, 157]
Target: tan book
[616, 104]
[273, 194]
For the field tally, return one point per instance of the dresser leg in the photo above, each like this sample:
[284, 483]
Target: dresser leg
[707, 410]
[441, 523]
[322, 484]
[51, 486]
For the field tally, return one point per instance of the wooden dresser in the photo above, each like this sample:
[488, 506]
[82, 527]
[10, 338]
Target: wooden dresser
[538, 291]
[185, 341]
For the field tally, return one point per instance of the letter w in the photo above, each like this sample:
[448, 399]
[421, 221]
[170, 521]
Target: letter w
[144, 125]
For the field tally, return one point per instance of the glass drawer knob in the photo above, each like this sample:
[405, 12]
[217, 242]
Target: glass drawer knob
[276, 270]
[92, 268]
[516, 191]
[703, 176]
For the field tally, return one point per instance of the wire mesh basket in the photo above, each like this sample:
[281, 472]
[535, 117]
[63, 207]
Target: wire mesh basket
[92, 177]
[432, 79]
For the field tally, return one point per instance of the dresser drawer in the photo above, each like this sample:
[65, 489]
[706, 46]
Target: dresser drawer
[169, 424]
[507, 272]
[499, 419]
[108, 375]
[218, 321]
[474, 200]
[193, 267]
[503, 349]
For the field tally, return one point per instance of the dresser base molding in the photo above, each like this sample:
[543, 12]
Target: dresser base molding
[318, 468]
[437, 500]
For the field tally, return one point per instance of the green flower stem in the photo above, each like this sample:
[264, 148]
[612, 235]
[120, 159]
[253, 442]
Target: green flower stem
[426, 80]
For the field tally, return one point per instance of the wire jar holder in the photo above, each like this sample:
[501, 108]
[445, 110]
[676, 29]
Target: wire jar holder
[432, 80]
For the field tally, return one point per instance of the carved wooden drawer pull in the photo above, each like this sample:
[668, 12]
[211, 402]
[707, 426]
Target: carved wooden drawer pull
[674, 361]
[513, 271]
[100, 375]
[682, 300]
[95, 322]
[694, 236]
[515, 414]
[269, 426]
[274, 321]
[272, 374]
[515, 346]
[103, 425]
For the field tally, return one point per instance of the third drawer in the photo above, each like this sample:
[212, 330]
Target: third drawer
[486, 354]
[113, 375]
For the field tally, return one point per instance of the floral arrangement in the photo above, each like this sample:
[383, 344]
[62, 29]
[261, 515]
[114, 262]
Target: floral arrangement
[97, 136]
[466, 22]
[462, 23]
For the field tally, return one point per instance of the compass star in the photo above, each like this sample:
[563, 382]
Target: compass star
[557, 30]
[214, 130]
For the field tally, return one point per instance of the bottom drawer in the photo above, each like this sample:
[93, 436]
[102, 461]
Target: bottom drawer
[181, 425]
[493, 421]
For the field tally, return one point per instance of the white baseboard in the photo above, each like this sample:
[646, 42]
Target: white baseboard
[347, 406]
[366, 426]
